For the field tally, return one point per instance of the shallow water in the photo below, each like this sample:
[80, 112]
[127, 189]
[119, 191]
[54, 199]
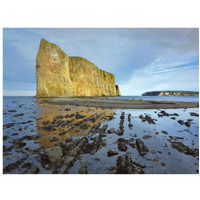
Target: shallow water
[35, 113]
[159, 98]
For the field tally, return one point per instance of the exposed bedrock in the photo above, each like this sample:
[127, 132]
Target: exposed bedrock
[60, 75]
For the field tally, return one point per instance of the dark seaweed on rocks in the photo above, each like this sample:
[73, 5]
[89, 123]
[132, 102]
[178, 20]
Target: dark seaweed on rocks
[179, 146]
[125, 165]
[147, 118]
[142, 149]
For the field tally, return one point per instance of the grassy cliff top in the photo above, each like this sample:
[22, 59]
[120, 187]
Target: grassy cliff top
[192, 93]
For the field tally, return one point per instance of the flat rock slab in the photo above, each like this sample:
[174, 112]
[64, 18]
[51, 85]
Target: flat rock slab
[124, 104]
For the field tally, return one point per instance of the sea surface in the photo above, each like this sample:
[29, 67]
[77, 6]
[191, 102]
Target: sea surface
[25, 116]
[159, 98]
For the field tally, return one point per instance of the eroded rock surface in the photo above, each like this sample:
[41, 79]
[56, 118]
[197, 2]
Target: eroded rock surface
[60, 75]
[125, 165]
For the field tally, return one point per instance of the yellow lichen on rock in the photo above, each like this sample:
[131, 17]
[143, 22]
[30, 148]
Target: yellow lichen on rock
[60, 75]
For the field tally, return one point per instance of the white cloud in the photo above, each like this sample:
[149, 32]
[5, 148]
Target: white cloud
[133, 55]
[184, 78]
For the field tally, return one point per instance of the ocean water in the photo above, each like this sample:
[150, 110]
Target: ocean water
[33, 112]
[159, 98]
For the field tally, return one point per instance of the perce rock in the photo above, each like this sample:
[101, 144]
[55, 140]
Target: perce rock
[60, 75]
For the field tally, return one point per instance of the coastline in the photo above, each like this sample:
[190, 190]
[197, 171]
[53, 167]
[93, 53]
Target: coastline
[122, 104]
[67, 139]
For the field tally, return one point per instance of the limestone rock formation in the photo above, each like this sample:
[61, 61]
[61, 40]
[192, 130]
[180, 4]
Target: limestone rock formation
[60, 75]
[171, 93]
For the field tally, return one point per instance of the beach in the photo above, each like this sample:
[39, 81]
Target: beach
[68, 136]
[122, 103]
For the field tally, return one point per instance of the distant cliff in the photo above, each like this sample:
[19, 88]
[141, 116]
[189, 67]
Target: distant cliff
[60, 75]
[170, 93]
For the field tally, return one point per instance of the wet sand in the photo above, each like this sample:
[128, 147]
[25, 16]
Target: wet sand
[123, 104]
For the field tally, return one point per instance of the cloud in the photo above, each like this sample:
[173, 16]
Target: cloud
[184, 78]
[124, 52]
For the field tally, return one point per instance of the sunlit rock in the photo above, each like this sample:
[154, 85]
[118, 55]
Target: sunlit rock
[60, 75]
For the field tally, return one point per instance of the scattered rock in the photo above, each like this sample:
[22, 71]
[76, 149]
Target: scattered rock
[148, 119]
[18, 115]
[164, 113]
[69, 116]
[53, 139]
[13, 166]
[15, 134]
[83, 169]
[5, 137]
[112, 130]
[132, 145]
[129, 117]
[142, 149]
[188, 123]
[54, 154]
[19, 145]
[194, 114]
[122, 146]
[163, 163]
[125, 165]
[165, 132]
[122, 117]
[32, 170]
[79, 115]
[134, 135]
[109, 117]
[181, 122]
[146, 136]
[179, 146]
[130, 125]
[63, 123]
[12, 111]
[111, 153]
[119, 132]
[59, 117]
[141, 116]
[8, 125]
[48, 126]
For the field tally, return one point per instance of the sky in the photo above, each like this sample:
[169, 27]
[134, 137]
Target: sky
[142, 59]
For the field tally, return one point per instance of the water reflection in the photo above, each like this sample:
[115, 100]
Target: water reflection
[74, 126]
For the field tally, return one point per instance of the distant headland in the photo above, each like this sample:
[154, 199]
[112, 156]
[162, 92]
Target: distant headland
[171, 93]
[60, 75]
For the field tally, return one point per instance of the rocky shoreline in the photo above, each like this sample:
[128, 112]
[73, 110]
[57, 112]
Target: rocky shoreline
[62, 139]
[123, 104]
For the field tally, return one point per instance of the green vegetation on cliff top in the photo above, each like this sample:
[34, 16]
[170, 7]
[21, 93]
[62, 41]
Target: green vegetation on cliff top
[191, 93]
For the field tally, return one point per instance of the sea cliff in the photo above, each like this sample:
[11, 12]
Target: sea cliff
[60, 75]
[171, 93]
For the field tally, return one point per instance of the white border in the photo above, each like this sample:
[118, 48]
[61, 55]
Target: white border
[104, 13]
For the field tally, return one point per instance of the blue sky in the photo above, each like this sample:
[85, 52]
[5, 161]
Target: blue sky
[141, 59]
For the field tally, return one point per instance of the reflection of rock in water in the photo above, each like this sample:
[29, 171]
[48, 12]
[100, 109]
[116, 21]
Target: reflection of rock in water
[56, 123]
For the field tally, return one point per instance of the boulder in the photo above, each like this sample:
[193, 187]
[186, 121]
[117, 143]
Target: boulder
[54, 154]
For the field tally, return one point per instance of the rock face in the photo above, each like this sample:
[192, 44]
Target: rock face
[60, 75]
